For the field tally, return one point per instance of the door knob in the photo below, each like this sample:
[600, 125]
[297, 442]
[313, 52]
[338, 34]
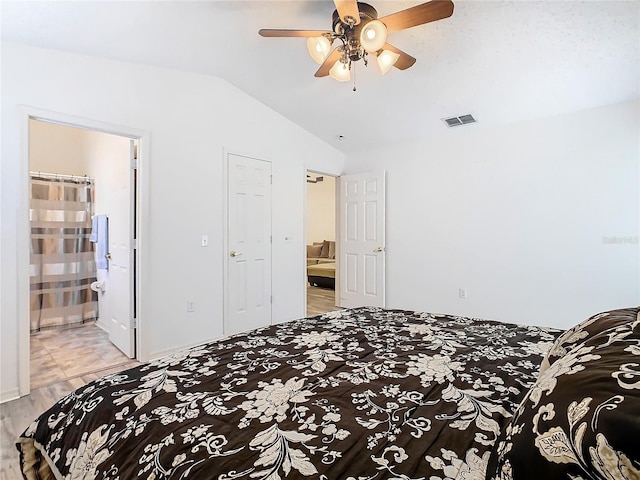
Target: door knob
[108, 256]
[378, 250]
[234, 254]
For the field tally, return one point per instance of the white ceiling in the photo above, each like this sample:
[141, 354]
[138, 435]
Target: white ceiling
[502, 61]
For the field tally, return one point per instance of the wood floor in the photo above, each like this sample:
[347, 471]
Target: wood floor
[320, 300]
[62, 363]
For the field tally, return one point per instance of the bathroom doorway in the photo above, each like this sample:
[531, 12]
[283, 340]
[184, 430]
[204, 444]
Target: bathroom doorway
[76, 178]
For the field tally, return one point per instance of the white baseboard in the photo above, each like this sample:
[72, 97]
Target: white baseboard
[101, 325]
[9, 395]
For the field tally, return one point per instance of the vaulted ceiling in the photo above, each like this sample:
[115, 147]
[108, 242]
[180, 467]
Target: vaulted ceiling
[502, 61]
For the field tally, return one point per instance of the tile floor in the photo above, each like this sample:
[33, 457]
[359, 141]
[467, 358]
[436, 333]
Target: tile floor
[58, 355]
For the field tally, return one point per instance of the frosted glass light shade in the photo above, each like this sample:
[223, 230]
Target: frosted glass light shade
[318, 48]
[387, 59]
[373, 36]
[340, 72]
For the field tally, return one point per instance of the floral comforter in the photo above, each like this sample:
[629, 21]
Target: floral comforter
[357, 394]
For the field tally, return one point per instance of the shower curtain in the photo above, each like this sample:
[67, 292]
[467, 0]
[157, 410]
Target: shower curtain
[62, 259]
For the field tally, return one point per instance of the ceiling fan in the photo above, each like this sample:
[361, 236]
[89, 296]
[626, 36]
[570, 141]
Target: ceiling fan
[359, 32]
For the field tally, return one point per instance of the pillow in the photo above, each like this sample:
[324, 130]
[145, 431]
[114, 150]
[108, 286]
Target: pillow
[580, 420]
[589, 327]
[313, 251]
[332, 249]
[325, 249]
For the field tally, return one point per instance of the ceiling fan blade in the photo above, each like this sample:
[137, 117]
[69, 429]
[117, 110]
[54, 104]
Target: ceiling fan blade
[418, 15]
[405, 61]
[333, 57]
[274, 32]
[348, 11]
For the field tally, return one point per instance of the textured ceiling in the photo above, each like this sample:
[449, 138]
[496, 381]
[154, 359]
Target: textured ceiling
[502, 61]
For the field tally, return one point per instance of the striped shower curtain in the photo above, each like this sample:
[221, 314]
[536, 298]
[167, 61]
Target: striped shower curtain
[62, 258]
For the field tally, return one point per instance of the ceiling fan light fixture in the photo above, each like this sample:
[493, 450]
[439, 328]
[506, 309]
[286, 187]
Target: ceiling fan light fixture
[373, 36]
[359, 32]
[340, 72]
[319, 48]
[387, 59]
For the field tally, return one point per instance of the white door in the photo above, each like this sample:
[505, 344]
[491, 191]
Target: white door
[119, 286]
[361, 240]
[248, 286]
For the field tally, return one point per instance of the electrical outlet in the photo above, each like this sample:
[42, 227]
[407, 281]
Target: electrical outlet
[205, 241]
[190, 305]
[462, 293]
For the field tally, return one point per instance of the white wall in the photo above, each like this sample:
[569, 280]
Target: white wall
[321, 210]
[519, 216]
[57, 148]
[190, 119]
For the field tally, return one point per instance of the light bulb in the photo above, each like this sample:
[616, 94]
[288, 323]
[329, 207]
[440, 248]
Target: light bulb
[387, 59]
[373, 36]
[340, 72]
[318, 48]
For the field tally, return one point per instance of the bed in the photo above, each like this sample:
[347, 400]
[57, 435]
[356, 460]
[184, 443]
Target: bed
[357, 394]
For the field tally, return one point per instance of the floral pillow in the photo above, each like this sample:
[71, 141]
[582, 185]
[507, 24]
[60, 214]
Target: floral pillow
[581, 419]
[588, 328]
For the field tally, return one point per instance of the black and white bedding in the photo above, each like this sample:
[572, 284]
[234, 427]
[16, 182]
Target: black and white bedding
[581, 419]
[357, 394]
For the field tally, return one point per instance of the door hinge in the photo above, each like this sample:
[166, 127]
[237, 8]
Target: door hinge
[271, 179]
[134, 243]
[134, 323]
[134, 163]
[271, 299]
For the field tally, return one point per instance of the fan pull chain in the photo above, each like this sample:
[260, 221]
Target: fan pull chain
[354, 77]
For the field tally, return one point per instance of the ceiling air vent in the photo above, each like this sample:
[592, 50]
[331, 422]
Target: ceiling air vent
[461, 120]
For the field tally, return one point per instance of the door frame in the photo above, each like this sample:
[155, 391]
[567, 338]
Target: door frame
[25, 113]
[336, 219]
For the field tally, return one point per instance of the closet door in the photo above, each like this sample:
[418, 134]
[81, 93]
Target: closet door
[248, 256]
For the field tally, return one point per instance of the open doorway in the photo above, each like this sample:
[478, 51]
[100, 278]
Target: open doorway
[321, 265]
[81, 182]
